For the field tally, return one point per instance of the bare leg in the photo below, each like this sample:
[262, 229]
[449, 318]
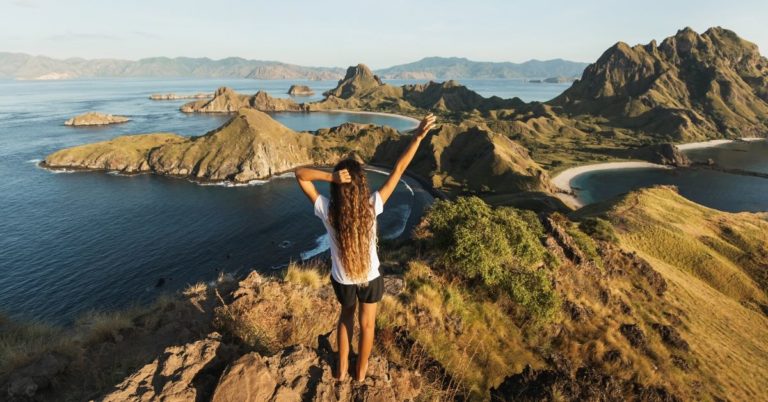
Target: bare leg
[367, 320]
[344, 338]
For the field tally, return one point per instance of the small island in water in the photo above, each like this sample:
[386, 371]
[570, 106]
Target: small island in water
[95, 119]
[300, 90]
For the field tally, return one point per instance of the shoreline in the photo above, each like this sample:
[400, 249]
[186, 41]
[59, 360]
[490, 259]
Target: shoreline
[399, 116]
[562, 181]
[714, 143]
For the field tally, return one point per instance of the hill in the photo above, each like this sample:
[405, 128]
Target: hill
[361, 89]
[715, 263]
[456, 68]
[253, 146]
[690, 87]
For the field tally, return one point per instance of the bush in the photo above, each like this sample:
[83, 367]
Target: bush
[598, 228]
[585, 243]
[499, 248]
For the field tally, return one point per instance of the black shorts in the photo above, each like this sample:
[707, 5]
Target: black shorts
[347, 295]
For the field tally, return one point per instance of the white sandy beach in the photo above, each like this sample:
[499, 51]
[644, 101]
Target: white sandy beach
[713, 143]
[411, 119]
[563, 179]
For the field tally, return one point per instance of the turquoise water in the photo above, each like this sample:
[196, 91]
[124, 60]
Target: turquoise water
[723, 191]
[71, 242]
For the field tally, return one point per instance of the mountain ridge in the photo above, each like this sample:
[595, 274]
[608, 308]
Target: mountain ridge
[26, 66]
[690, 86]
[462, 68]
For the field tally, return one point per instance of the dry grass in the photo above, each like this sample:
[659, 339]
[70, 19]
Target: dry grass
[312, 274]
[727, 251]
[476, 342]
[712, 261]
[20, 343]
[280, 313]
[98, 326]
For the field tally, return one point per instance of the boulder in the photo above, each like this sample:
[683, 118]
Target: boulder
[301, 373]
[172, 375]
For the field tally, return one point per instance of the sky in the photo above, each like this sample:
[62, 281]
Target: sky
[342, 33]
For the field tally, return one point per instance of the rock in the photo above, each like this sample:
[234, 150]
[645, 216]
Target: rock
[247, 379]
[663, 154]
[577, 312]
[589, 383]
[226, 100]
[358, 79]
[691, 86]
[300, 90]
[670, 336]
[634, 335]
[172, 376]
[28, 380]
[173, 96]
[393, 285]
[301, 373]
[95, 119]
[265, 103]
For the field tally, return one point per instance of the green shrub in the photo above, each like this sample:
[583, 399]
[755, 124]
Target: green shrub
[599, 228]
[585, 243]
[498, 248]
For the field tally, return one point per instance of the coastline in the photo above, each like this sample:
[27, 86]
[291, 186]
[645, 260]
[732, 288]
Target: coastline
[399, 116]
[562, 181]
[714, 143]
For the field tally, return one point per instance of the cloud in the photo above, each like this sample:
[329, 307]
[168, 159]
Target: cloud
[73, 36]
[148, 35]
[25, 3]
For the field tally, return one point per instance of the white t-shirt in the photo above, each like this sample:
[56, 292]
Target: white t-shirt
[321, 210]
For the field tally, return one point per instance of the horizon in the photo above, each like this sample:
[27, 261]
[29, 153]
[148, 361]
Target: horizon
[299, 34]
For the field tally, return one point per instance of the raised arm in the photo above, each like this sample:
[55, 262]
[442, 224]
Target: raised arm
[306, 176]
[405, 159]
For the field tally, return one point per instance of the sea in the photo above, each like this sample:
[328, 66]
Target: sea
[712, 188]
[74, 242]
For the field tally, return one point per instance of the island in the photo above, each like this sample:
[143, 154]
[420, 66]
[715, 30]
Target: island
[226, 100]
[558, 80]
[95, 119]
[300, 90]
[173, 96]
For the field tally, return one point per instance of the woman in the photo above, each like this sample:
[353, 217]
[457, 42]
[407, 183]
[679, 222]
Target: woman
[350, 219]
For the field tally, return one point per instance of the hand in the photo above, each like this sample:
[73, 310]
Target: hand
[427, 123]
[341, 176]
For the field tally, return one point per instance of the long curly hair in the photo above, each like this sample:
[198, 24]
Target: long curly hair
[352, 217]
